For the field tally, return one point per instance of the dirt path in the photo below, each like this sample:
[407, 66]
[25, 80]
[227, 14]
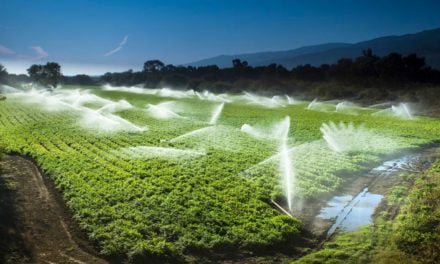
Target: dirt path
[41, 221]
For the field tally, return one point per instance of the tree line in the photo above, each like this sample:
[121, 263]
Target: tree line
[392, 71]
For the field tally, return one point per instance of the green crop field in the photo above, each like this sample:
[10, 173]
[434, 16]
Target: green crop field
[157, 175]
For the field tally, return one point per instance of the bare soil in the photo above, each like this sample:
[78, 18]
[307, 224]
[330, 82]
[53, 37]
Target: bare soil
[34, 222]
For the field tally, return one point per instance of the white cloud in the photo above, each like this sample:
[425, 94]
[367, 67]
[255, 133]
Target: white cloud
[113, 51]
[6, 51]
[118, 48]
[40, 53]
[124, 41]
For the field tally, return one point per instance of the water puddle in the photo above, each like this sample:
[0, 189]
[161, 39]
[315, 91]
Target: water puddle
[355, 206]
[388, 167]
[350, 212]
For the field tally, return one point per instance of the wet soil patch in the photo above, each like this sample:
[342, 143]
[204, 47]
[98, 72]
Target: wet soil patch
[361, 196]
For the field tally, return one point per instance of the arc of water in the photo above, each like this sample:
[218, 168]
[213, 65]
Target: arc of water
[216, 114]
[162, 111]
[284, 157]
[192, 133]
[290, 100]
[313, 103]
[285, 163]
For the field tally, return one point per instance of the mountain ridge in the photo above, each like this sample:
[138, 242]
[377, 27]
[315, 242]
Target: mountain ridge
[425, 43]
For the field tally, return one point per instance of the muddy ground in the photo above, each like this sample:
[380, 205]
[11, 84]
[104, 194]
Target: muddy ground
[377, 182]
[35, 227]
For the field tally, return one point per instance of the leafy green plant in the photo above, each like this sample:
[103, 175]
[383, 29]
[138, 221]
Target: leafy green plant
[161, 207]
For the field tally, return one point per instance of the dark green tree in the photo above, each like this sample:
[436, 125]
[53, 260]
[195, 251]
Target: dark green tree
[391, 67]
[3, 74]
[238, 64]
[365, 65]
[48, 75]
[415, 67]
[81, 79]
[153, 66]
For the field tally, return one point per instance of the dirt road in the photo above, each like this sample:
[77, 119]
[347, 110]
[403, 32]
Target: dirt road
[36, 223]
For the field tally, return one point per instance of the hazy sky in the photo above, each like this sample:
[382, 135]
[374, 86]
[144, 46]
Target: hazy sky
[97, 36]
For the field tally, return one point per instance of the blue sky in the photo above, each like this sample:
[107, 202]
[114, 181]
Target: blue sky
[97, 36]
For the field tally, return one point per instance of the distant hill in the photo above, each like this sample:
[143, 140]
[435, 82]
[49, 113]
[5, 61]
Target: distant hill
[263, 58]
[425, 43]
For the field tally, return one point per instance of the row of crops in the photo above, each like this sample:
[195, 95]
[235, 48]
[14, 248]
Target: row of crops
[165, 205]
